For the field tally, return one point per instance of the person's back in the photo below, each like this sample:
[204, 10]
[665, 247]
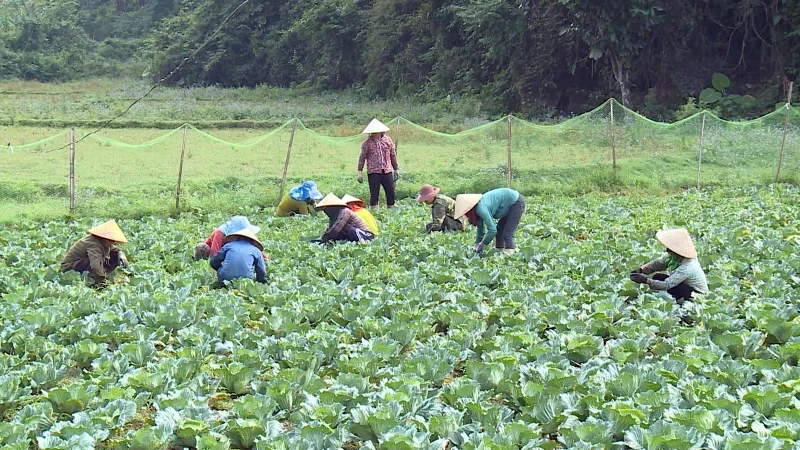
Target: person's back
[368, 219]
[239, 259]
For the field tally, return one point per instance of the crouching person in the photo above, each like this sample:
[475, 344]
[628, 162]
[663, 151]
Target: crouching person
[240, 257]
[216, 240]
[96, 253]
[343, 224]
[685, 277]
[443, 209]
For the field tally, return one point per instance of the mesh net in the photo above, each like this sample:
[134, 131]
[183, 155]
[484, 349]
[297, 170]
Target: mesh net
[135, 171]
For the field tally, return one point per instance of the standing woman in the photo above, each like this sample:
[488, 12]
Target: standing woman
[506, 205]
[381, 157]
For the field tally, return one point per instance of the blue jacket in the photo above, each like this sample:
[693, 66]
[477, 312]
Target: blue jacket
[493, 205]
[238, 259]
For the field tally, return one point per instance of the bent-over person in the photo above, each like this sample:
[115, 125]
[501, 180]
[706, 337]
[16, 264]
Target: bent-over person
[96, 253]
[443, 209]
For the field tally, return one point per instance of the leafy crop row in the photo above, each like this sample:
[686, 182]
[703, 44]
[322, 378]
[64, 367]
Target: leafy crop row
[410, 342]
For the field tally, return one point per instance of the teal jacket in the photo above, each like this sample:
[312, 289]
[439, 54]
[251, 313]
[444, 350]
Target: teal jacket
[493, 205]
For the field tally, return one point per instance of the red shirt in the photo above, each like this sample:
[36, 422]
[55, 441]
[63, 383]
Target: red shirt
[379, 154]
[215, 241]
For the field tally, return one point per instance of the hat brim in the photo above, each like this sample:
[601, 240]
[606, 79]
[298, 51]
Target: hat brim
[465, 203]
[246, 234]
[678, 241]
[424, 198]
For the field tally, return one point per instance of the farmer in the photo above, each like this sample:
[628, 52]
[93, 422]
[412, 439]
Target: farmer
[443, 209]
[96, 253]
[504, 204]
[685, 276]
[343, 224]
[381, 157]
[216, 240]
[299, 200]
[357, 206]
[240, 257]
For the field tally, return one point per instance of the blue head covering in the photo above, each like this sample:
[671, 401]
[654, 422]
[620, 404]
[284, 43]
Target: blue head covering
[238, 223]
[306, 191]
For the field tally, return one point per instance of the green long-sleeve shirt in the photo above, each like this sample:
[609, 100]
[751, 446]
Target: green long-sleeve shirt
[493, 205]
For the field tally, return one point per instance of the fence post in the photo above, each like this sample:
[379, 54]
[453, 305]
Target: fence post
[700, 158]
[71, 171]
[397, 134]
[613, 144]
[508, 152]
[785, 130]
[180, 173]
[286, 164]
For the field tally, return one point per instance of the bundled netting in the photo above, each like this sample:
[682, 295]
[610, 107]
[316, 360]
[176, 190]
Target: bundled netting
[137, 171]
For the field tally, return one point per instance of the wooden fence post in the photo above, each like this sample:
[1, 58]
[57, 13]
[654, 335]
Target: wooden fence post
[785, 130]
[700, 157]
[286, 164]
[180, 172]
[71, 171]
[508, 152]
[613, 143]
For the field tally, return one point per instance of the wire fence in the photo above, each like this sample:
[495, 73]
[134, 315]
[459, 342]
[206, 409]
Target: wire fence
[139, 171]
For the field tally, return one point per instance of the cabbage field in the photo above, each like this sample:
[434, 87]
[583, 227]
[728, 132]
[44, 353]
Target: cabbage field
[412, 342]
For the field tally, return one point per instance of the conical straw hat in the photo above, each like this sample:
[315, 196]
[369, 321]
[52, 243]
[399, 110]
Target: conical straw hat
[248, 234]
[465, 202]
[350, 199]
[109, 230]
[330, 200]
[679, 241]
[375, 126]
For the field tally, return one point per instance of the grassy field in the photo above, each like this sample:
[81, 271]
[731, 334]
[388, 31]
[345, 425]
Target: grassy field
[133, 171]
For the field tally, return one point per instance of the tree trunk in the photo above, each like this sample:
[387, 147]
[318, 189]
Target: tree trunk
[120, 6]
[623, 78]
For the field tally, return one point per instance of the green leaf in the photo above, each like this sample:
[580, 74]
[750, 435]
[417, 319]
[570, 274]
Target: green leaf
[709, 96]
[720, 82]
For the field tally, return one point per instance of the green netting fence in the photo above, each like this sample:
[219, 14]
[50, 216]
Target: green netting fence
[135, 171]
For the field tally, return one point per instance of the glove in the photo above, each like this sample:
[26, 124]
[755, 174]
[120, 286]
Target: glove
[396, 174]
[360, 178]
[123, 260]
[637, 270]
[478, 248]
[638, 278]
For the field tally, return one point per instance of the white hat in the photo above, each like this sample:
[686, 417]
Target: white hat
[375, 126]
[464, 203]
[330, 200]
[679, 241]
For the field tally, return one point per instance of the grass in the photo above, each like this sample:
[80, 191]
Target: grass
[133, 171]
[88, 103]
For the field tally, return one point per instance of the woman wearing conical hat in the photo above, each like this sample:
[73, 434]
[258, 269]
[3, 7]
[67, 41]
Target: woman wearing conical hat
[216, 240]
[356, 205]
[443, 208]
[240, 257]
[379, 153]
[96, 253]
[685, 276]
[343, 224]
[300, 200]
[505, 205]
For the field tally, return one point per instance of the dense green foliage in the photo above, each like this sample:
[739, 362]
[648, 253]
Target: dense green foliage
[532, 56]
[411, 341]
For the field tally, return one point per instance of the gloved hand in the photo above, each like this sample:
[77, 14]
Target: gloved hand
[316, 241]
[637, 270]
[638, 278]
[360, 178]
[123, 260]
[478, 248]
[396, 174]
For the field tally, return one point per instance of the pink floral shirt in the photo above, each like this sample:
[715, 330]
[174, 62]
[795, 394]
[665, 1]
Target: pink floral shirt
[379, 154]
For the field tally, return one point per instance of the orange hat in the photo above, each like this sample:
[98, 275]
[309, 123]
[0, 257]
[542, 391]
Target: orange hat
[109, 231]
